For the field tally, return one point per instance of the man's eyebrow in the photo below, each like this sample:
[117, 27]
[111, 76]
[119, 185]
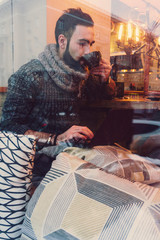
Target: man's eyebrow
[85, 40]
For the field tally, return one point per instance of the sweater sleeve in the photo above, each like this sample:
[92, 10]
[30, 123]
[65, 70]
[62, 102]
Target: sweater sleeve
[18, 104]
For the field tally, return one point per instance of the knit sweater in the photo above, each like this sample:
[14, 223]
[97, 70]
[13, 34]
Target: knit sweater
[43, 96]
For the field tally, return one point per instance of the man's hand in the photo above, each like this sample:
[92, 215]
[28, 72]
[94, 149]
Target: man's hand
[102, 70]
[76, 133]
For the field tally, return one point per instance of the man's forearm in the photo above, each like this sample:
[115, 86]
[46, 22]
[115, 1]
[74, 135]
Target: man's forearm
[42, 137]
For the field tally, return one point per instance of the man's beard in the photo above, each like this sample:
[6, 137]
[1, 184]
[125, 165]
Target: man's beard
[67, 58]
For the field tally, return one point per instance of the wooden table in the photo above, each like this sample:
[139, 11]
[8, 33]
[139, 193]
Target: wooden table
[128, 102]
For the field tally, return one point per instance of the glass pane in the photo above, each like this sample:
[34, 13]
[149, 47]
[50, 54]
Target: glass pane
[6, 42]
[135, 49]
[29, 30]
[23, 34]
[126, 33]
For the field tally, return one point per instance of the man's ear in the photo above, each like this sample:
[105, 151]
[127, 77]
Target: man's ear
[62, 41]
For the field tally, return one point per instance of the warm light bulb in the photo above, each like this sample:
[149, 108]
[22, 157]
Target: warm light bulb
[137, 34]
[120, 32]
[159, 41]
[129, 31]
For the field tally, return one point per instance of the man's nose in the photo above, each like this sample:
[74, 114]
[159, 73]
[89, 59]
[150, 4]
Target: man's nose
[87, 49]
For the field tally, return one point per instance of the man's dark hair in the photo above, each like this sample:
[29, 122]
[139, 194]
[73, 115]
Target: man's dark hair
[69, 20]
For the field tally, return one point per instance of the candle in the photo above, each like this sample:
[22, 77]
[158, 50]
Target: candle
[120, 32]
[159, 41]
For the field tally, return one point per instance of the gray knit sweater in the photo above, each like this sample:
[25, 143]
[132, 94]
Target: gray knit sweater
[43, 96]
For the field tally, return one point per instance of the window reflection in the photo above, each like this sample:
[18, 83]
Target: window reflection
[126, 32]
[23, 34]
[136, 31]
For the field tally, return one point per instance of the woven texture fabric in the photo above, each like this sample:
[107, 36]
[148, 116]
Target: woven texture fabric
[77, 200]
[32, 94]
[16, 163]
[57, 69]
[48, 91]
[120, 162]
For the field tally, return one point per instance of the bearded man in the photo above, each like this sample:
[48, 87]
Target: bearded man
[43, 95]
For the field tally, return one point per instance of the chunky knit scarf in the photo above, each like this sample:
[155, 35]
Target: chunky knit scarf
[64, 76]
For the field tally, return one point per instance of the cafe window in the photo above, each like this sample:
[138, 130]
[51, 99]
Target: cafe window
[28, 25]
[22, 36]
[104, 185]
[127, 33]
[135, 44]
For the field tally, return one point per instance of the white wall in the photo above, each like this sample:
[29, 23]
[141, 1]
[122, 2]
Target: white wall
[22, 35]
[5, 43]
[29, 30]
